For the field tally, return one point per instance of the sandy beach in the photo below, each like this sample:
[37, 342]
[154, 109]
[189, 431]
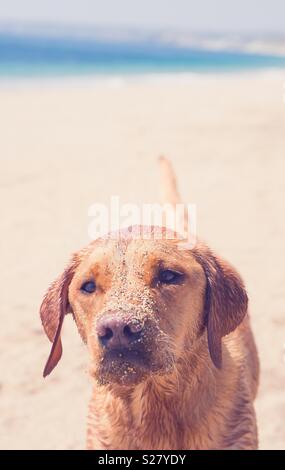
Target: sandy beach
[67, 144]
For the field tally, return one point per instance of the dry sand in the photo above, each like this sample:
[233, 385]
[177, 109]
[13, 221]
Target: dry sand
[64, 146]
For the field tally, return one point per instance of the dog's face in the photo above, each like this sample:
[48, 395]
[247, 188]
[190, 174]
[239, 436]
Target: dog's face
[134, 301]
[140, 304]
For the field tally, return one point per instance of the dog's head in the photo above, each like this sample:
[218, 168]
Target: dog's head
[140, 303]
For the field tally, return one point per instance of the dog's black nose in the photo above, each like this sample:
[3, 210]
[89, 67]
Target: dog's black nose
[115, 332]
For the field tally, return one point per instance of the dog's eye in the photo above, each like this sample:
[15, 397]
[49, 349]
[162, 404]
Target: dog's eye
[167, 276]
[88, 287]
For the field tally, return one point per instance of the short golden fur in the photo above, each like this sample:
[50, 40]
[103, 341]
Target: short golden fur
[188, 380]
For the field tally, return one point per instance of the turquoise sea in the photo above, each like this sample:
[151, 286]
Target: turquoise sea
[23, 55]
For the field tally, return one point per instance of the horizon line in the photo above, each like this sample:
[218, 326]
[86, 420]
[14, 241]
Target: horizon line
[72, 25]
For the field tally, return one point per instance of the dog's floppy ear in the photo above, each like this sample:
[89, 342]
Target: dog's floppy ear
[225, 303]
[53, 310]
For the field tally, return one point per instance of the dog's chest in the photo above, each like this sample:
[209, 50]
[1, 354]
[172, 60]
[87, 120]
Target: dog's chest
[151, 426]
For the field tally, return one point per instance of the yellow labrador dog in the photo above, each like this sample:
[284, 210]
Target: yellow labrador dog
[171, 350]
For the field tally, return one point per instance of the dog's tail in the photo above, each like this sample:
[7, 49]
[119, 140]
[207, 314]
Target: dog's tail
[169, 193]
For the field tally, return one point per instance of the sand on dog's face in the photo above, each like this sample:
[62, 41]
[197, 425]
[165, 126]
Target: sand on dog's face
[126, 274]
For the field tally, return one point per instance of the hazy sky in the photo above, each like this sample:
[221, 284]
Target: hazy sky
[205, 15]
